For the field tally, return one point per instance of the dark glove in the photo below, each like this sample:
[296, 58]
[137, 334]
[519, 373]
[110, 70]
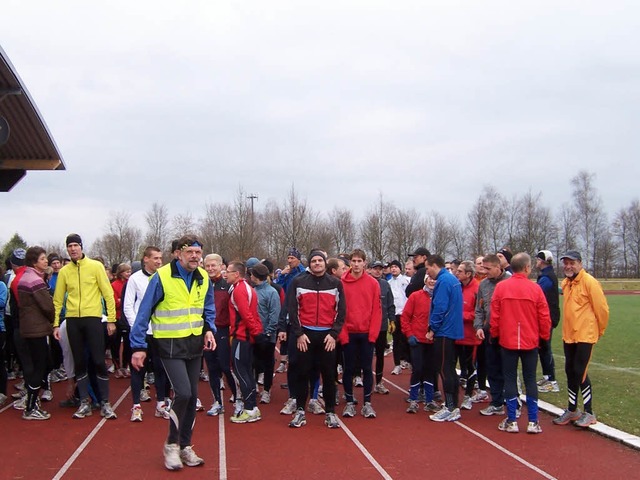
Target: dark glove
[413, 341]
[261, 338]
[543, 344]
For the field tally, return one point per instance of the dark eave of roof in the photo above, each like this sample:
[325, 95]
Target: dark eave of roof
[30, 145]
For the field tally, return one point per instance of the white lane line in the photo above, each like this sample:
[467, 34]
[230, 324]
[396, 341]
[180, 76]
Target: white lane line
[87, 440]
[491, 442]
[365, 452]
[222, 444]
[506, 452]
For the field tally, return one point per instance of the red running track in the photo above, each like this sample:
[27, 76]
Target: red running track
[395, 445]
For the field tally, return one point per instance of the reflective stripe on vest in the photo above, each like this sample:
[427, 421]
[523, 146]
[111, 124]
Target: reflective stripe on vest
[179, 314]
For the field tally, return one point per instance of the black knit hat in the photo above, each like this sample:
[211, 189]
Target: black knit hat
[73, 238]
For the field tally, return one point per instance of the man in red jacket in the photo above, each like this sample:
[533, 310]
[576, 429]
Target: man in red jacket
[246, 328]
[519, 319]
[361, 328]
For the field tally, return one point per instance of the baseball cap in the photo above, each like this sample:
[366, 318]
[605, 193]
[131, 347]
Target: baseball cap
[572, 255]
[377, 263]
[545, 256]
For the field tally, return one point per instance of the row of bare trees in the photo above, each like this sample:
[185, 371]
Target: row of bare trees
[524, 223]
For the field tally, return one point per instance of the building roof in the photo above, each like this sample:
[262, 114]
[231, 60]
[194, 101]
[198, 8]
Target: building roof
[30, 145]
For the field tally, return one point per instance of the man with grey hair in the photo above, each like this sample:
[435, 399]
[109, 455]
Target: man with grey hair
[586, 316]
[519, 320]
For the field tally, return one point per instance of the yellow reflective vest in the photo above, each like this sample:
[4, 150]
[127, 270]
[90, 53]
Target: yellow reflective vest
[180, 313]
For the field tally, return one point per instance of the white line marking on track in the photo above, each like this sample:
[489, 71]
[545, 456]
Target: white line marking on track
[222, 444]
[365, 452]
[491, 442]
[506, 452]
[602, 366]
[87, 440]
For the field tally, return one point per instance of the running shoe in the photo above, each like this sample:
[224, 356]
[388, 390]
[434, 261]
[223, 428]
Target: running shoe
[21, 403]
[480, 397]
[172, 459]
[544, 379]
[238, 407]
[3, 398]
[189, 457]
[151, 378]
[216, 409]
[72, 402]
[47, 396]
[36, 414]
[261, 379]
[405, 365]
[441, 416]
[199, 406]
[357, 382]
[534, 427]
[289, 407]
[349, 410]
[381, 389]
[162, 410]
[413, 407]
[368, 411]
[84, 410]
[119, 373]
[265, 397]
[432, 407]
[203, 376]
[506, 426]
[331, 420]
[388, 351]
[20, 386]
[19, 394]
[463, 383]
[144, 395]
[455, 415]
[315, 407]
[567, 416]
[397, 370]
[136, 414]
[549, 386]
[585, 420]
[107, 412]
[298, 420]
[492, 410]
[466, 404]
[247, 416]
[282, 368]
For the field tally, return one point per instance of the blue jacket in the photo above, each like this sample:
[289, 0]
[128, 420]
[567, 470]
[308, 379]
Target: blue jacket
[285, 280]
[445, 319]
[268, 309]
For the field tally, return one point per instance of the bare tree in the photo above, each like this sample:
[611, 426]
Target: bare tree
[157, 219]
[375, 229]
[293, 224]
[440, 234]
[343, 230]
[183, 224]
[620, 229]
[535, 229]
[459, 240]
[404, 232]
[633, 222]
[214, 229]
[487, 222]
[121, 242]
[588, 207]
[240, 226]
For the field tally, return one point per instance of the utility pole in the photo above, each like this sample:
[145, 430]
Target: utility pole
[252, 197]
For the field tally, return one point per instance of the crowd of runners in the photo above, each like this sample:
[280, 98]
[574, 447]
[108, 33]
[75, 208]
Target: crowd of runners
[460, 332]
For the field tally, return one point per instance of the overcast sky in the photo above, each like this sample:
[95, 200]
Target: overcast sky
[425, 101]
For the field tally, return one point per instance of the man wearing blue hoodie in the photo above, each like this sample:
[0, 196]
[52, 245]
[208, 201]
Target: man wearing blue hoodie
[445, 327]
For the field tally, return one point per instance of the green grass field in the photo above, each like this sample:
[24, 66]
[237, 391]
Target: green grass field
[614, 368]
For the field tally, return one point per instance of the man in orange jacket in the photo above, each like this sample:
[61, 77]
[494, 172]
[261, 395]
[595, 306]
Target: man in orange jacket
[586, 315]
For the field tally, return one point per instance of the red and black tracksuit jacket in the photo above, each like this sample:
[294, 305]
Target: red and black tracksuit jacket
[316, 301]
